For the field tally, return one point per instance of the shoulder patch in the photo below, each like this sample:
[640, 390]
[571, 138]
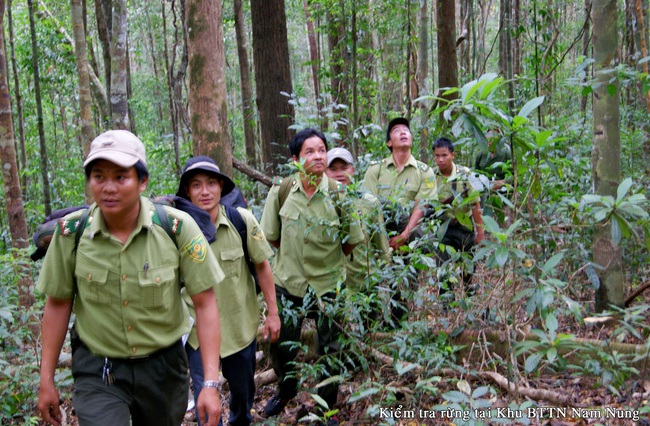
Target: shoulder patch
[423, 166]
[256, 233]
[197, 248]
[67, 227]
[277, 180]
[175, 224]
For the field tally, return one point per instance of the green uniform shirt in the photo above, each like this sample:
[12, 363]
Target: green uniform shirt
[127, 297]
[452, 186]
[239, 310]
[373, 251]
[397, 190]
[494, 166]
[310, 234]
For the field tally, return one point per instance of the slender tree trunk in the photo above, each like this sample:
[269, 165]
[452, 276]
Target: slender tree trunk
[248, 108]
[586, 43]
[119, 91]
[313, 49]
[272, 77]
[12, 193]
[154, 63]
[447, 62]
[207, 94]
[104, 15]
[407, 72]
[606, 155]
[47, 203]
[169, 70]
[422, 74]
[85, 101]
[354, 79]
[642, 32]
[19, 101]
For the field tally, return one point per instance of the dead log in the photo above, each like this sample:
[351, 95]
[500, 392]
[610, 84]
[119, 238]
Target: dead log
[640, 289]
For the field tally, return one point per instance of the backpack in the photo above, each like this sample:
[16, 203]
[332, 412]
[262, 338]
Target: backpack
[44, 232]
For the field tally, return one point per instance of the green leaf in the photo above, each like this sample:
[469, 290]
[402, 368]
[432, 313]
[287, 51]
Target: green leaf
[551, 354]
[455, 396]
[552, 263]
[611, 90]
[593, 276]
[616, 232]
[623, 189]
[530, 106]
[532, 361]
[551, 325]
[501, 255]
[591, 198]
[363, 394]
[480, 391]
[491, 225]
[403, 368]
[319, 400]
[333, 379]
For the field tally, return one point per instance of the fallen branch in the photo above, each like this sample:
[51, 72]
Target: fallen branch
[636, 292]
[251, 172]
[561, 400]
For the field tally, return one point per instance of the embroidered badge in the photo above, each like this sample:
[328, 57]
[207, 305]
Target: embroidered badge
[197, 248]
[257, 233]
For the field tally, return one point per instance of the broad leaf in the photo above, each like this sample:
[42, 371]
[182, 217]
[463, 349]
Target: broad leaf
[363, 394]
[530, 106]
[623, 189]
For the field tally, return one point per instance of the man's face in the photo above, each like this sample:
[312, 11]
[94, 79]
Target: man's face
[115, 189]
[444, 159]
[204, 190]
[400, 136]
[314, 155]
[341, 171]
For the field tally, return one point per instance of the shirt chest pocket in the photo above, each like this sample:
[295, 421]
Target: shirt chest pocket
[157, 286]
[230, 261]
[290, 223]
[92, 285]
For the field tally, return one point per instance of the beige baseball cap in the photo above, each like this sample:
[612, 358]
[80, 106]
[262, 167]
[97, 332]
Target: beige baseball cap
[341, 153]
[117, 146]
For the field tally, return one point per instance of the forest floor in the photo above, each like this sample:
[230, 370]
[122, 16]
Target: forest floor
[585, 392]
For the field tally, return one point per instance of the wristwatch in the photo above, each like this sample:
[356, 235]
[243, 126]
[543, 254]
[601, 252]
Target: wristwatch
[215, 384]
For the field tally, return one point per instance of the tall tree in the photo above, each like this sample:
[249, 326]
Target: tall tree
[272, 77]
[248, 108]
[422, 74]
[85, 101]
[207, 92]
[606, 154]
[45, 176]
[119, 90]
[447, 61]
[11, 182]
[19, 99]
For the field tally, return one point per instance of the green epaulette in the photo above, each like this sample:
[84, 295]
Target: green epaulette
[69, 226]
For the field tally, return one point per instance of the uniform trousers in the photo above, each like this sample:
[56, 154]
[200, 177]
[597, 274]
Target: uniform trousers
[283, 355]
[239, 370]
[148, 391]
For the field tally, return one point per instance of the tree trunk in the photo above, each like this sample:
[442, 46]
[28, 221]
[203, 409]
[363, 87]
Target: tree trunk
[85, 102]
[12, 193]
[104, 15]
[169, 70]
[248, 108]
[47, 203]
[447, 62]
[119, 92]
[422, 74]
[642, 34]
[207, 93]
[314, 56]
[272, 76]
[19, 101]
[586, 38]
[606, 161]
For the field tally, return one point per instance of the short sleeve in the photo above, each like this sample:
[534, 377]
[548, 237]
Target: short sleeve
[271, 215]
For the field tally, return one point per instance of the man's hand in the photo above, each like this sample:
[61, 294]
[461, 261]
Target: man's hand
[397, 241]
[272, 327]
[209, 405]
[48, 404]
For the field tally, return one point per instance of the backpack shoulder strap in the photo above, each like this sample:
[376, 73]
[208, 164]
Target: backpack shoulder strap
[163, 218]
[285, 188]
[238, 222]
[81, 227]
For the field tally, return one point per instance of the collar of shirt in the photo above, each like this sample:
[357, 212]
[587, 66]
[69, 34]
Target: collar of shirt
[410, 162]
[98, 226]
[323, 186]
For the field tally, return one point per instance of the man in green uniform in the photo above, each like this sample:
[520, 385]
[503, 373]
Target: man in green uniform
[465, 227]
[123, 281]
[203, 184]
[402, 184]
[313, 236]
[496, 164]
[373, 252]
